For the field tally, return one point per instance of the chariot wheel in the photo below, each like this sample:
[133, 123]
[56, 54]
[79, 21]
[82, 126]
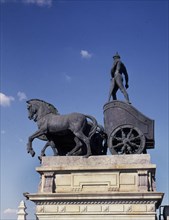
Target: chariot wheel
[126, 139]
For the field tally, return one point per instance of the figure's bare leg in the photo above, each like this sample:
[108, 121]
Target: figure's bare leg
[119, 82]
[114, 92]
[112, 85]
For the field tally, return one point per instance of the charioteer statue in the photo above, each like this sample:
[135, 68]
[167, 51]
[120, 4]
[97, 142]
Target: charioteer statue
[117, 72]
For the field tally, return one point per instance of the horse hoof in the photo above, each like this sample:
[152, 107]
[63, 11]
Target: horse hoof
[40, 158]
[87, 155]
[32, 153]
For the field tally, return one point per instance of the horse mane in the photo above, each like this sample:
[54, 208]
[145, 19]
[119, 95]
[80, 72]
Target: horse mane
[50, 106]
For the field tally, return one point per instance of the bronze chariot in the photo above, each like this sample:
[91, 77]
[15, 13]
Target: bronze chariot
[128, 130]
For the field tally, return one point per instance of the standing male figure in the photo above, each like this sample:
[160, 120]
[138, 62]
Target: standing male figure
[117, 79]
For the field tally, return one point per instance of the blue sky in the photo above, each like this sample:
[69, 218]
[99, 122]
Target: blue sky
[61, 52]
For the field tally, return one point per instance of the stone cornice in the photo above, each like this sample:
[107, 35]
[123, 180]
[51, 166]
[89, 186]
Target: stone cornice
[112, 197]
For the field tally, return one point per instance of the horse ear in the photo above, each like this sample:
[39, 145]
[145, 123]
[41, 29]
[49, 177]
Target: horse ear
[28, 104]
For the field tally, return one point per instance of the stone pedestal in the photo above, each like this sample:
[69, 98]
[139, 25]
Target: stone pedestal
[99, 187]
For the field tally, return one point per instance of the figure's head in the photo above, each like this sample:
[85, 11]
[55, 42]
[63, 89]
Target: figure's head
[116, 56]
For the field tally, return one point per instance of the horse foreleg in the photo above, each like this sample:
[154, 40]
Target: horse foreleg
[43, 152]
[44, 148]
[30, 140]
[52, 145]
[30, 149]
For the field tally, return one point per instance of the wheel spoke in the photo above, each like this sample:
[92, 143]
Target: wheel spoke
[130, 133]
[118, 138]
[136, 138]
[123, 149]
[123, 134]
[118, 145]
[129, 149]
[134, 145]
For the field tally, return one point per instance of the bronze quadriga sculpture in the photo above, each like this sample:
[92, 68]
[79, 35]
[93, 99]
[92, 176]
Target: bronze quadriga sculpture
[120, 186]
[126, 130]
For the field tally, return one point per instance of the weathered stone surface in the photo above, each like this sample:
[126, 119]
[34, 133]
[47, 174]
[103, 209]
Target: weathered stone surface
[95, 161]
[94, 206]
[110, 187]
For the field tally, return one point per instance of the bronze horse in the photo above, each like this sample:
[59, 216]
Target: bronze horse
[51, 123]
[63, 144]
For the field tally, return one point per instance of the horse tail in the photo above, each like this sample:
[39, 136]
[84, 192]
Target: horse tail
[94, 125]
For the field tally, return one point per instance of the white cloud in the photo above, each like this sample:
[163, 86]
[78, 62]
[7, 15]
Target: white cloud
[68, 78]
[85, 54]
[3, 131]
[5, 100]
[41, 3]
[22, 96]
[10, 211]
[20, 140]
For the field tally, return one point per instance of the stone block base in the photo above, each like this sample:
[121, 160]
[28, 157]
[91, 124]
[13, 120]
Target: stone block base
[99, 187]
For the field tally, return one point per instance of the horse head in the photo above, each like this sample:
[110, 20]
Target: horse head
[32, 110]
[38, 108]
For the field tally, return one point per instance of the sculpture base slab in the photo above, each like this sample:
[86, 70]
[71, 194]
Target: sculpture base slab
[111, 187]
